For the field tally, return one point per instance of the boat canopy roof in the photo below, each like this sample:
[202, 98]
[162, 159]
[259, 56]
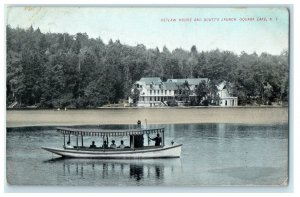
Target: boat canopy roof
[102, 133]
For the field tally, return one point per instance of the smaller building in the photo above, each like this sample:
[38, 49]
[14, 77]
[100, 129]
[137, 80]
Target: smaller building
[225, 98]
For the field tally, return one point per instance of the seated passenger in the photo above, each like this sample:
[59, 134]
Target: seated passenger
[113, 145]
[122, 145]
[93, 145]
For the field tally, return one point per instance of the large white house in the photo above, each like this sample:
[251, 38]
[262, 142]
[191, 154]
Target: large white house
[154, 92]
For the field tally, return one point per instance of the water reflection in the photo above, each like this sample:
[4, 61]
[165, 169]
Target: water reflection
[224, 130]
[138, 170]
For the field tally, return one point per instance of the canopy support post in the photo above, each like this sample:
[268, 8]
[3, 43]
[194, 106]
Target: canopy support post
[133, 141]
[103, 143]
[163, 134]
[77, 142]
[64, 140]
[148, 137]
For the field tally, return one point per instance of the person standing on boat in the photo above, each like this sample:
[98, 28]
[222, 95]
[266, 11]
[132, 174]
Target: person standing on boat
[113, 145]
[157, 140]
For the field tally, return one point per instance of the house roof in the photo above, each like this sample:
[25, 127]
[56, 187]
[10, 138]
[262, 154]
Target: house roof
[170, 86]
[191, 81]
[149, 80]
[221, 86]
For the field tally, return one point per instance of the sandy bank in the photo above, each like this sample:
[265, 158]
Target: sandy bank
[16, 118]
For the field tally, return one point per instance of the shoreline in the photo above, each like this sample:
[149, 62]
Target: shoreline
[162, 107]
[180, 115]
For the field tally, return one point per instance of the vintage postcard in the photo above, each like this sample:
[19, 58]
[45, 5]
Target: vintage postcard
[147, 96]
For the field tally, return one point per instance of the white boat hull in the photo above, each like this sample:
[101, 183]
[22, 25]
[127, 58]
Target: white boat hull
[156, 152]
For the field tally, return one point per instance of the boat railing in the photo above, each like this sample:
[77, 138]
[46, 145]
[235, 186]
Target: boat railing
[110, 149]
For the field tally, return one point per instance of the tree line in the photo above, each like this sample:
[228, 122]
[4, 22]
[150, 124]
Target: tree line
[51, 70]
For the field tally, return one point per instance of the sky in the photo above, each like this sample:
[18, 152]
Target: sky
[233, 29]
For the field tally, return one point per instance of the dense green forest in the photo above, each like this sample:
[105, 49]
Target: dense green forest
[52, 70]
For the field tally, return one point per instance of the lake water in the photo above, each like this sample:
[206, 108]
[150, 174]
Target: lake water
[212, 155]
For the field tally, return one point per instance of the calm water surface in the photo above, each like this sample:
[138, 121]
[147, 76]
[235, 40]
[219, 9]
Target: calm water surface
[212, 155]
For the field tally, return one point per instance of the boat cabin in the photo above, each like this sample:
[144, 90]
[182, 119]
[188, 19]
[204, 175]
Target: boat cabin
[136, 137]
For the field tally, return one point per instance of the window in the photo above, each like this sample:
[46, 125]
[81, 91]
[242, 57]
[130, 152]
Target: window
[150, 92]
[154, 91]
[169, 91]
[165, 91]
